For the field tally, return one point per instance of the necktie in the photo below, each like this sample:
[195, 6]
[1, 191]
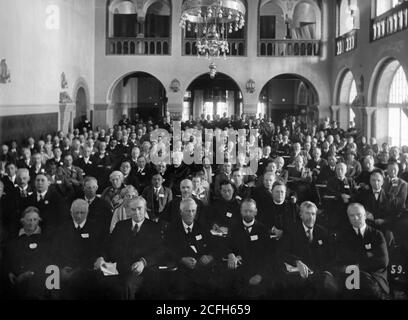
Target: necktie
[41, 198]
[248, 229]
[136, 229]
[188, 230]
[309, 235]
[359, 235]
[78, 228]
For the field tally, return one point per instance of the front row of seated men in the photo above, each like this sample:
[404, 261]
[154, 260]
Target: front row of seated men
[190, 262]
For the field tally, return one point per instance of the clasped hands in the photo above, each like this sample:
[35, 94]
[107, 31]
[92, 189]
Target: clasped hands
[191, 262]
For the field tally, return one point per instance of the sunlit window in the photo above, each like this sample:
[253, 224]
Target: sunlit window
[353, 92]
[398, 115]
[383, 6]
[399, 88]
[261, 108]
[208, 109]
[186, 111]
[222, 108]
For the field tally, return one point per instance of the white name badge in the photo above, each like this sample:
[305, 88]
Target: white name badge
[395, 185]
[254, 238]
[161, 195]
[199, 237]
[320, 242]
[33, 246]
[317, 167]
[347, 187]
[193, 248]
[229, 214]
[59, 182]
[368, 246]
[202, 196]
[84, 235]
[46, 202]
[143, 173]
[238, 198]
[29, 193]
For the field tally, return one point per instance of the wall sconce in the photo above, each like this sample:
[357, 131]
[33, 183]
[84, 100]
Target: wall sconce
[175, 86]
[250, 86]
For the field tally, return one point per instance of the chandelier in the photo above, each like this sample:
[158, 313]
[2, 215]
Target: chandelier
[212, 21]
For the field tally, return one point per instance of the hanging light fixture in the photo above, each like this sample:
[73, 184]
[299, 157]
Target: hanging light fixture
[212, 21]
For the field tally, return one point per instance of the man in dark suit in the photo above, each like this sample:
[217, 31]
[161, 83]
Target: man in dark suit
[263, 196]
[172, 211]
[342, 189]
[308, 247]
[77, 245]
[71, 175]
[99, 210]
[57, 158]
[52, 206]
[327, 172]
[142, 174]
[248, 255]
[189, 245]
[363, 246]
[135, 245]
[395, 188]
[26, 257]
[224, 211]
[377, 205]
[85, 163]
[157, 197]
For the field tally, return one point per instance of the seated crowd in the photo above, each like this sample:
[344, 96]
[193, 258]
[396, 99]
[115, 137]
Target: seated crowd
[120, 225]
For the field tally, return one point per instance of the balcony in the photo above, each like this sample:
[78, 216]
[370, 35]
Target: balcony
[390, 22]
[138, 46]
[288, 48]
[346, 43]
[236, 46]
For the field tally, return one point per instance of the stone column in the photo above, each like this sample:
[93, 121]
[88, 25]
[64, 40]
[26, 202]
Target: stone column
[335, 110]
[371, 128]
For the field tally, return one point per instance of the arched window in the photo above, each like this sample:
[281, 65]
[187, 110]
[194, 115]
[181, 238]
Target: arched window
[399, 88]
[398, 109]
[352, 98]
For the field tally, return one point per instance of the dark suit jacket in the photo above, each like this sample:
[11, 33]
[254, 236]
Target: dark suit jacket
[53, 209]
[179, 244]
[27, 253]
[317, 255]
[370, 254]
[126, 248]
[90, 169]
[100, 211]
[172, 211]
[224, 213]
[326, 174]
[379, 208]
[157, 205]
[264, 201]
[78, 249]
[253, 247]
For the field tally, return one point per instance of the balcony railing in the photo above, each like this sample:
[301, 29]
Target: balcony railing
[346, 43]
[236, 46]
[390, 22]
[288, 48]
[138, 46]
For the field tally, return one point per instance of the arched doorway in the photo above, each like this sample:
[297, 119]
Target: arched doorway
[212, 97]
[140, 93]
[289, 94]
[80, 107]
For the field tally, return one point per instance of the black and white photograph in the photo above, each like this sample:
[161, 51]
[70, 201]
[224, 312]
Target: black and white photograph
[216, 152]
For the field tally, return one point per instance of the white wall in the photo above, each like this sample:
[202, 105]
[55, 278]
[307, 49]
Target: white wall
[37, 55]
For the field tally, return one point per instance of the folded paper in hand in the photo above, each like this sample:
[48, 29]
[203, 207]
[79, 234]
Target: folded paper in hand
[216, 233]
[109, 269]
